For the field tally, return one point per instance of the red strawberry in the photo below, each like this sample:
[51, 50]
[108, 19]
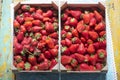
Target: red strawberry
[66, 28]
[73, 22]
[20, 19]
[26, 41]
[36, 22]
[41, 45]
[34, 67]
[26, 14]
[54, 35]
[37, 16]
[85, 34]
[87, 58]
[93, 35]
[47, 19]
[100, 26]
[93, 59]
[20, 36]
[98, 16]
[102, 44]
[89, 41]
[80, 27]
[63, 42]
[47, 54]
[101, 53]
[79, 57]
[53, 63]
[84, 67]
[27, 66]
[32, 60]
[40, 11]
[76, 40]
[67, 22]
[92, 15]
[75, 13]
[49, 13]
[54, 52]
[81, 49]
[16, 24]
[91, 49]
[66, 59]
[74, 63]
[65, 51]
[29, 19]
[44, 65]
[73, 48]
[32, 9]
[92, 68]
[64, 16]
[41, 57]
[25, 7]
[92, 22]
[75, 33]
[50, 42]
[22, 29]
[96, 45]
[99, 66]
[102, 33]
[49, 27]
[86, 17]
[68, 67]
[20, 65]
[68, 42]
[69, 35]
[18, 58]
[83, 40]
[18, 47]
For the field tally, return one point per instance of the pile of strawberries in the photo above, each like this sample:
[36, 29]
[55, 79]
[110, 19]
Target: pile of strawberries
[35, 38]
[83, 40]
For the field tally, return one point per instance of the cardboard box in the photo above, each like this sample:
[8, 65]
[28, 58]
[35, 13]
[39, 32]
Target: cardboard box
[14, 8]
[86, 6]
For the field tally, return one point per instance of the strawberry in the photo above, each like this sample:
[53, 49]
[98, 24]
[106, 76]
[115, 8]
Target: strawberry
[32, 60]
[16, 24]
[99, 66]
[28, 25]
[63, 42]
[25, 7]
[36, 29]
[67, 28]
[41, 57]
[49, 27]
[102, 44]
[102, 33]
[50, 42]
[98, 16]
[92, 22]
[18, 58]
[29, 19]
[26, 14]
[40, 11]
[20, 36]
[68, 67]
[81, 49]
[76, 40]
[67, 22]
[93, 59]
[47, 54]
[73, 22]
[100, 26]
[49, 13]
[91, 49]
[44, 65]
[53, 63]
[83, 40]
[54, 52]
[101, 53]
[20, 19]
[84, 67]
[79, 57]
[92, 15]
[36, 22]
[18, 47]
[41, 45]
[34, 67]
[93, 35]
[73, 48]
[69, 35]
[22, 29]
[96, 45]
[64, 16]
[37, 16]
[65, 50]
[80, 27]
[68, 42]
[66, 59]
[74, 63]
[26, 41]
[47, 19]
[87, 58]
[75, 13]
[89, 41]
[27, 66]
[20, 65]
[86, 17]
[54, 35]
[85, 34]
[75, 33]
[32, 9]
[92, 68]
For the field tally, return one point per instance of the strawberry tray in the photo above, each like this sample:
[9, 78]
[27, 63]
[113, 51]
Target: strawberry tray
[33, 50]
[84, 49]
